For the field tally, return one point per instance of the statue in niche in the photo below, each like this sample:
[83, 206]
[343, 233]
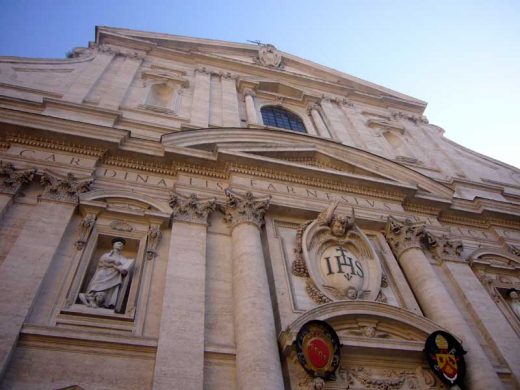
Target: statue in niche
[108, 286]
[515, 302]
[338, 224]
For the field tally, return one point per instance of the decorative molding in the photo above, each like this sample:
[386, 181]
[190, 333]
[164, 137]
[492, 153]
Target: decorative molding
[67, 189]
[45, 143]
[403, 235]
[12, 180]
[314, 293]
[269, 56]
[85, 227]
[416, 119]
[245, 208]
[126, 162]
[121, 51]
[513, 249]
[121, 226]
[191, 208]
[154, 236]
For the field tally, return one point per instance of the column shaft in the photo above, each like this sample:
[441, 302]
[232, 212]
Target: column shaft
[250, 110]
[180, 353]
[437, 305]
[24, 268]
[257, 362]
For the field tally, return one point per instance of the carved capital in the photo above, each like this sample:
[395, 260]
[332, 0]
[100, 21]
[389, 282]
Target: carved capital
[64, 190]
[154, 237]
[85, 227]
[442, 248]
[313, 107]
[245, 208]
[11, 180]
[202, 69]
[190, 208]
[403, 235]
[249, 92]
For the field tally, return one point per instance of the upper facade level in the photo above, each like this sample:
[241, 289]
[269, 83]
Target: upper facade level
[146, 85]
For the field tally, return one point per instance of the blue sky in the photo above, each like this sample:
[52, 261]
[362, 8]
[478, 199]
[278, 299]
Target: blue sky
[462, 57]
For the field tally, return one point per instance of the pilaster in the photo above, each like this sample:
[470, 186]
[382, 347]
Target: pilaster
[200, 103]
[25, 265]
[332, 113]
[321, 127]
[230, 114]
[180, 354]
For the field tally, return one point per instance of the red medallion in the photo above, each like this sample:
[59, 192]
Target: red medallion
[318, 352]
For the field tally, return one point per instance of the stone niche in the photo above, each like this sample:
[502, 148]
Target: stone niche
[110, 277]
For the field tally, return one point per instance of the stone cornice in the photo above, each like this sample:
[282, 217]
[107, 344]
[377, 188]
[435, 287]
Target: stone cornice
[245, 208]
[191, 208]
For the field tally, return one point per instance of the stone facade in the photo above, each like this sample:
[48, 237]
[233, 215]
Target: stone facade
[234, 233]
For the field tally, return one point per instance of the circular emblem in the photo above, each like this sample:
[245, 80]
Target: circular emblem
[342, 271]
[318, 349]
[446, 357]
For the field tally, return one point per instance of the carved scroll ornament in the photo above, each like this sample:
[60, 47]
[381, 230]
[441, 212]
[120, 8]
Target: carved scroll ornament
[65, 190]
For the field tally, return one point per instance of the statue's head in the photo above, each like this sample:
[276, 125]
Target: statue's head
[338, 226]
[99, 298]
[513, 294]
[118, 243]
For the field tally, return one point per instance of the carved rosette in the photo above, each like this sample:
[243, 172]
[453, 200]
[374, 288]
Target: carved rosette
[154, 237]
[403, 235]
[336, 259]
[67, 189]
[191, 208]
[245, 208]
[12, 180]
[85, 227]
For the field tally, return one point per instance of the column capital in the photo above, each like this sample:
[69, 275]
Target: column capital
[65, 189]
[191, 208]
[441, 247]
[11, 180]
[245, 208]
[313, 107]
[403, 235]
[249, 92]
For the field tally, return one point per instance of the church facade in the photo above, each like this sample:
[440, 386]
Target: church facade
[174, 210]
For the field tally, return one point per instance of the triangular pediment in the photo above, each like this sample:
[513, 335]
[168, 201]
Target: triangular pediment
[241, 54]
[304, 155]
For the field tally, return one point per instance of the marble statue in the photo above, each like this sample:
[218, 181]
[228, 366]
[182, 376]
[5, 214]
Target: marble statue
[108, 286]
[515, 302]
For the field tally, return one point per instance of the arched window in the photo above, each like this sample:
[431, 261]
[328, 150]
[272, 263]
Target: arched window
[279, 117]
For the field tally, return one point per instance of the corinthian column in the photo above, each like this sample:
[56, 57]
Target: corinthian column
[406, 240]
[318, 121]
[180, 353]
[249, 95]
[257, 358]
[22, 272]
[10, 183]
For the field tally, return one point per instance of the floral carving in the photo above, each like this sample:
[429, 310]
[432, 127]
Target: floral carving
[315, 294]
[154, 237]
[66, 190]
[402, 236]
[442, 247]
[11, 180]
[245, 208]
[85, 227]
[121, 226]
[515, 250]
[191, 208]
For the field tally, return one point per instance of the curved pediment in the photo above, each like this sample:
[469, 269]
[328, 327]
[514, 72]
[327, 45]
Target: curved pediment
[267, 147]
[372, 324]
